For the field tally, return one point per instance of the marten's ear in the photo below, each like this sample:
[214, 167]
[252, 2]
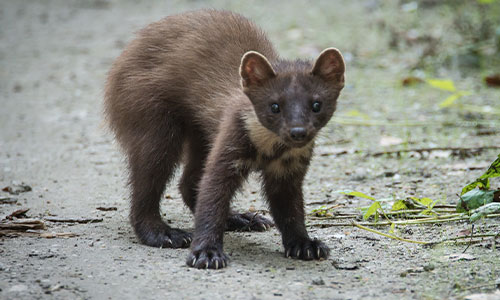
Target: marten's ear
[255, 69]
[330, 66]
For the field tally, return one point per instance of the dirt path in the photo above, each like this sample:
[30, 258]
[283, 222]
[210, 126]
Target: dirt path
[54, 56]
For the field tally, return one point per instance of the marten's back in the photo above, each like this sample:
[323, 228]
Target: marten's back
[181, 67]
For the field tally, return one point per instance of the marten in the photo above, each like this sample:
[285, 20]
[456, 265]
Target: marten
[207, 89]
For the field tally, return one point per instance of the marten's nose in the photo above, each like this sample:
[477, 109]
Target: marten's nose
[298, 133]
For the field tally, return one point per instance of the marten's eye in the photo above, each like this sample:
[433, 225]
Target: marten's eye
[275, 108]
[316, 107]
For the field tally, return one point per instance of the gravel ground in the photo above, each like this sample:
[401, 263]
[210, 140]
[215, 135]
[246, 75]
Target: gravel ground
[54, 56]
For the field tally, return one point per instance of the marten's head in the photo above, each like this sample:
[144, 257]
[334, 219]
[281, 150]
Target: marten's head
[293, 99]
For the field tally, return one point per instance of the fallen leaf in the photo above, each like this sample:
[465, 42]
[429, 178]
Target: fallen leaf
[16, 189]
[454, 97]
[357, 194]
[51, 235]
[483, 182]
[20, 213]
[107, 208]
[22, 224]
[411, 80]
[475, 198]
[492, 80]
[441, 84]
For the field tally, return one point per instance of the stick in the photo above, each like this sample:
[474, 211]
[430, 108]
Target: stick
[22, 224]
[419, 150]
[470, 149]
[389, 235]
[73, 220]
[359, 122]
[412, 222]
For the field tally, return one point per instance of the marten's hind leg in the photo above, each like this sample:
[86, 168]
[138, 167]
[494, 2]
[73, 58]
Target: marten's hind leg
[152, 161]
[196, 152]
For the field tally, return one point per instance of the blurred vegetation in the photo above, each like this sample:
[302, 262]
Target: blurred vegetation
[469, 39]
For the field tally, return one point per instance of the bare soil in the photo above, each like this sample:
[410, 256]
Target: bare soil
[54, 56]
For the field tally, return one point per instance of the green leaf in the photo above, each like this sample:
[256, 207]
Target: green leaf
[399, 205]
[484, 210]
[483, 182]
[474, 199]
[393, 226]
[446, 84]
[428, 212]
[372, 210]
[485, 1]
[357, 113]
[431, 206]
[322, 211]
[427, 202]
[451, 99]
[358, 194]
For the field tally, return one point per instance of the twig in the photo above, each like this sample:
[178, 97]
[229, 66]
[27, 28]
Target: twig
[73, 220]
[318, 211]
[361, 122]
[471, 235]
[376, 224]
[494, 284]
[389, 235]
[334, 217]
[467, 236]
[411, 222]
[422, 220]
[426, 242]
[420, 150]
[445, 206]
[321, 202]
[413, 211]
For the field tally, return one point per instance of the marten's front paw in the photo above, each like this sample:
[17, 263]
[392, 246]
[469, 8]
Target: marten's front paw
[248, 222]
[307, 250]
[159, 234]
[208, 258]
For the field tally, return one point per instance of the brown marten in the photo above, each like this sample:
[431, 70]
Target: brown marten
[207, 89]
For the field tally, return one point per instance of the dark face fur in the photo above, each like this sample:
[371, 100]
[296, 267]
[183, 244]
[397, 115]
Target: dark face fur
[298, 99]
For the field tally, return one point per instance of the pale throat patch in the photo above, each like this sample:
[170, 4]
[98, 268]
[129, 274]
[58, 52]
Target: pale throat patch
[263, 138]
[266, 143]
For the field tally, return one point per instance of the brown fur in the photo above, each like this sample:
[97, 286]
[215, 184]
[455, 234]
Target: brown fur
[200, 85]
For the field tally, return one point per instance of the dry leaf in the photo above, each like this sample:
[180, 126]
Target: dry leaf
[492, 80]
[51, 235]
[107, 208]
[411, 80]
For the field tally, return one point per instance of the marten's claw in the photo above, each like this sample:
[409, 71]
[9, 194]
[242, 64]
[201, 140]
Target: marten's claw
[307, 250]
[207, 259]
